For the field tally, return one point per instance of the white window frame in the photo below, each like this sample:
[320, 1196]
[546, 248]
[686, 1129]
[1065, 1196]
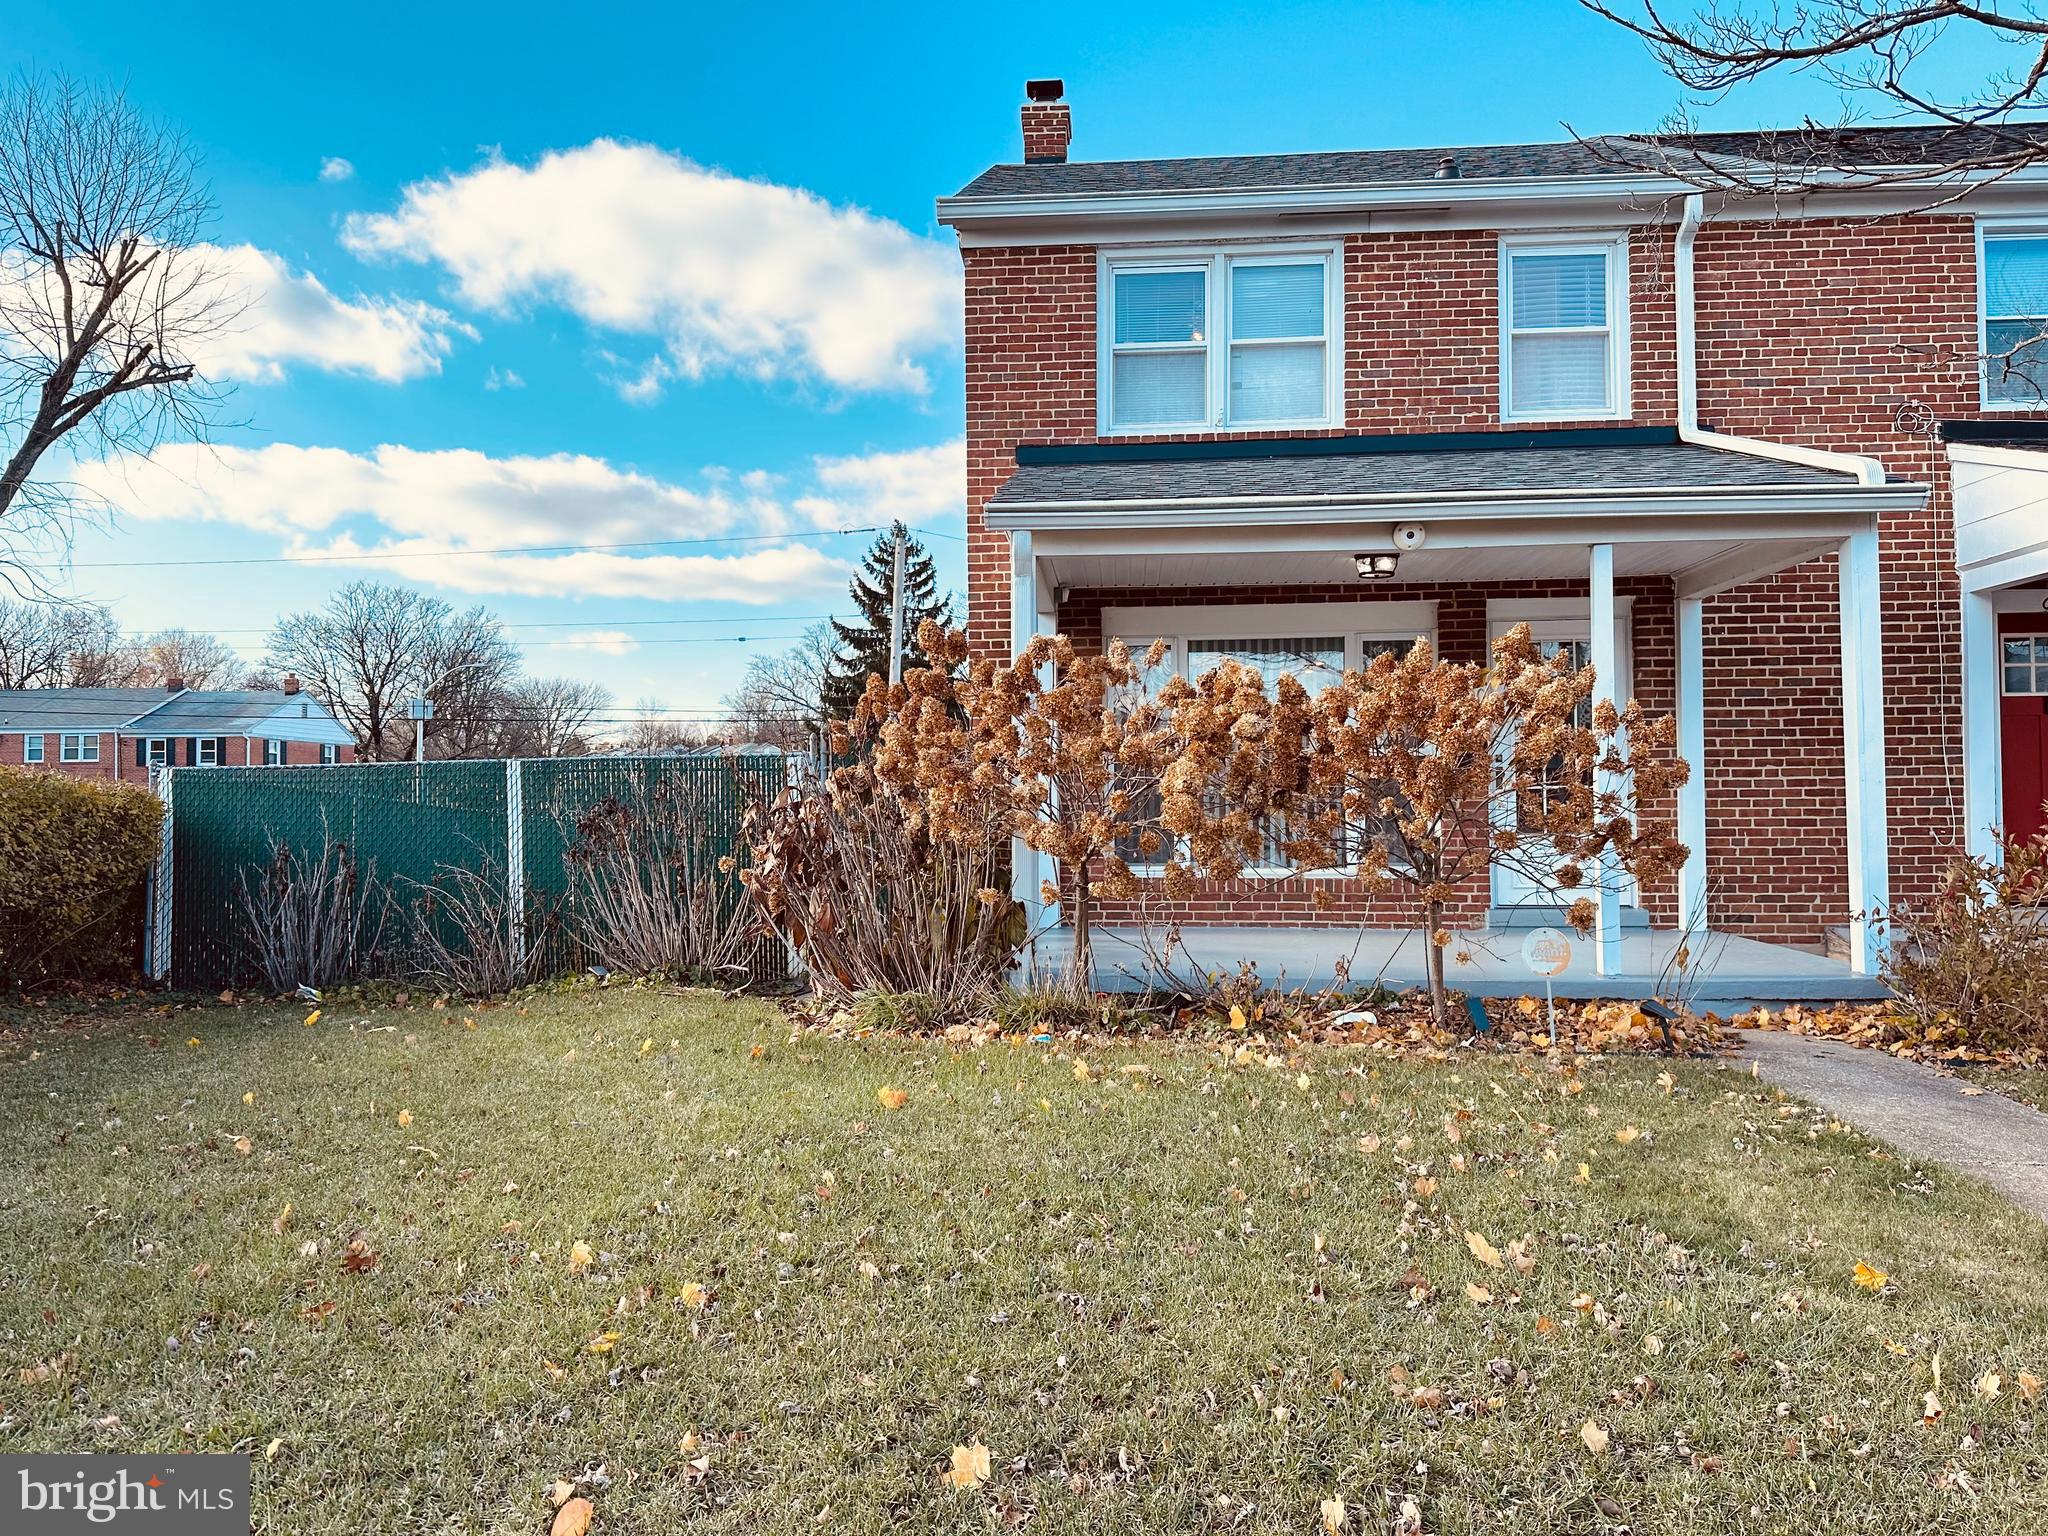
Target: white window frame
[33, 749]
[156, 752]
[273, 752]
[78, 747]
[1357, 623]
[1613, 247]
[1216, 262]
[330, 754]
[205, 752]
[1994, 229]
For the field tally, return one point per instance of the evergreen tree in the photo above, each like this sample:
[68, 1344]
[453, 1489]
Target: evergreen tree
[863, 648]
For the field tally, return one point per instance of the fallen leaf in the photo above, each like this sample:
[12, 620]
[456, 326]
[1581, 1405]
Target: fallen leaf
[404, 1118]
[581, 1257]
[312, 1018]
[561, 1493]
[1989, 1385]
[892, 1098]
[249, 1098]
[1594, 1436]
[1867, 1277]
[359, 1258]
[602, 1344]
[572, 1519]
[694, 1295]
[243, 1146]
[2029, 1385]
[1627, 1134]
[970, 1466]
[1333, 1515]
[1237, 1018]
[270, 1451]
[1478, 1292]
[1484, 1251]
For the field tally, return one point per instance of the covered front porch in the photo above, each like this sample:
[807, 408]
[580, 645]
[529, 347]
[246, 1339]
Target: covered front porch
[1613, 542]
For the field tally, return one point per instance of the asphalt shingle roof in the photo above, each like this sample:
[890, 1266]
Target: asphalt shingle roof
[1672, 466]
[1790, 149]
[74, 709]
[152, 711]
[228, 711]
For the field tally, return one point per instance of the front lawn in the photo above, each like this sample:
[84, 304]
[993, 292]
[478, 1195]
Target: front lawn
[1167, 1288]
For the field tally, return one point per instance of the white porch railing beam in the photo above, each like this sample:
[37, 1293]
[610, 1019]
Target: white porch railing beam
[1033, 610]
[1863, 747]
[1692, 746]
[1606, 658]
[1983, 779]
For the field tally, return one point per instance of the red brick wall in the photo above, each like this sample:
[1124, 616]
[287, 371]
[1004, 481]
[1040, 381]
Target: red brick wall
[13, 744]
[117, 756]
[1829, 333]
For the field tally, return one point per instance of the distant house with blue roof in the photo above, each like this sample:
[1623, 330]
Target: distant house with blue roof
[122, 733]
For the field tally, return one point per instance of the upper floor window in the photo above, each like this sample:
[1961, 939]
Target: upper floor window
[1564, 329]
[1197, 342]
[2015, 339]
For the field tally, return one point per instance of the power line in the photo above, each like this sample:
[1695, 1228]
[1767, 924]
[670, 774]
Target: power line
[373, 556]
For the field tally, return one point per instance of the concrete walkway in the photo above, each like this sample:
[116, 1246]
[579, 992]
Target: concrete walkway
[1915, 1108]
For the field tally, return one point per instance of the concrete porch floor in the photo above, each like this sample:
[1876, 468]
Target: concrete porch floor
[1725, 968]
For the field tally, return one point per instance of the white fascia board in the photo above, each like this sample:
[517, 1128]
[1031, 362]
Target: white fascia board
[1348, 508]
[1500, 203]
[285, 723]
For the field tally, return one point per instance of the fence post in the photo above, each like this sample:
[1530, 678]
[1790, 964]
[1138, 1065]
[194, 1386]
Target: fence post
[515, 864]
[159, 936]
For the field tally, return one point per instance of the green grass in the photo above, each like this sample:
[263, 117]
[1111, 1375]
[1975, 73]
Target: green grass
[2027, 1084]
[1113, 1284]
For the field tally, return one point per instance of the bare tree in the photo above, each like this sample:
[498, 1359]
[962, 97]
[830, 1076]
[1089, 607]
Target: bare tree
[104, 302]
[653, 729]
[552, 716]
[469, 671]
[1884, 56]
[780, 699]
[189, 657]
[48, 645]
[363, 656]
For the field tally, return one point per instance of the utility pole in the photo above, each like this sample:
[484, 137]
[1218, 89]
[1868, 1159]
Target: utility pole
[896, 614]
[422, 710]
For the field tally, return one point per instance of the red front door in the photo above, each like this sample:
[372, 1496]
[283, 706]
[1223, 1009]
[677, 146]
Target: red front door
[2023, 720]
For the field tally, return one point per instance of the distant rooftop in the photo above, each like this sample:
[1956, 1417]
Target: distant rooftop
[1789, 150]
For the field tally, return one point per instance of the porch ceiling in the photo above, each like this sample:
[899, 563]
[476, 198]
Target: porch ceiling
[1692, 564]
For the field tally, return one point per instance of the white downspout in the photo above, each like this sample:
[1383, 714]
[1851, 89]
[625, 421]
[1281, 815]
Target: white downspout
[1866, 470]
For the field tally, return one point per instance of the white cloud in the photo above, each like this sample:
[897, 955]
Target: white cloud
[606, 642]
[292, 318]
[725, 273]
[372, 509]
[335, 168]
[503, 378]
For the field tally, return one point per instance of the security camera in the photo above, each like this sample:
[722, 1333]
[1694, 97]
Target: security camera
[1409, 535]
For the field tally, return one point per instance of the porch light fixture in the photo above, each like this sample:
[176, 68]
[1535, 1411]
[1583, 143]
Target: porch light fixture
[1376, 567]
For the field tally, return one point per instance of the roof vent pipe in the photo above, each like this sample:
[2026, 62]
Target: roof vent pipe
[1447, 168]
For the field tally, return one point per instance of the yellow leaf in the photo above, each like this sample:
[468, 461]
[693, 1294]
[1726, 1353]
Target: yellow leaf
[562, 1492]
[572, 1519]
[1594, 1436]
[284, 1219]
[1867, 1277]
[1585, 1174]
[1333, 1516]
[270, 1451]
[1484, 1251]
[312, 1018]
[249, 1098]
[694, 1295]
[1988, 1385]
[1080, 1071]
[2029, 1385]
[243, 1146]
[970, 1466]
[193, 1042]
[1653, 1345]
[1627, 1134]
[581, 1257]
[646, 1045]
[404, 1118]
[892, 1098]
[1478, 1292]
[1237, 1018]
[602, 1344]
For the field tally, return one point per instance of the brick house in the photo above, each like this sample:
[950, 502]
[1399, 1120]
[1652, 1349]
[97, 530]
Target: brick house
[1313, 405]
[121, 733]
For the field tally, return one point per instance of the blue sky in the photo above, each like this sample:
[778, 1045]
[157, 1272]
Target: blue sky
[670, 272]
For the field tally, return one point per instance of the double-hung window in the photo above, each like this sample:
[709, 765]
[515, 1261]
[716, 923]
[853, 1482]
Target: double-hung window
[206, 752]
[157, 752]
[2015, 336]
[273, 752]
[330, 754]
[1564, 329]
[73, 748]
[32, 748]
[1236, 341]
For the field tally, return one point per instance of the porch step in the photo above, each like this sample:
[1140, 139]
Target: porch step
[1633, 919]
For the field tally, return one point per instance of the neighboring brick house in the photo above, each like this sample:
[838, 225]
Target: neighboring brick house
[1205, 397]
[121, 733]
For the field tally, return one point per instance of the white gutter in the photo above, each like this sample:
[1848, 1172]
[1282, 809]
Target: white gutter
[1866, 470]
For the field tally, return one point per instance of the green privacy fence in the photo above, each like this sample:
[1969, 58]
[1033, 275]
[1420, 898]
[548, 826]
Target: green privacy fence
[407, 826]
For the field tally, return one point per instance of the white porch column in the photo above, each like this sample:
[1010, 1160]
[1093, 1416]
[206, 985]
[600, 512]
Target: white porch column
[1025, 878]
[1863, 747]
[1692, 746]
[1606, 670]
[1983, 778]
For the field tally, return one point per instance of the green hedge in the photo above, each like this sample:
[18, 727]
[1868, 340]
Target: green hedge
[74, 855]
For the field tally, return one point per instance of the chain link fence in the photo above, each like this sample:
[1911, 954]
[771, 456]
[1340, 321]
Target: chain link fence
[426, 846]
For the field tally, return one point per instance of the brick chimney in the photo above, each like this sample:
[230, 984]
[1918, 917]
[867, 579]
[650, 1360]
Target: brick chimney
[1048, 124]
[174, 685]
[290, 683]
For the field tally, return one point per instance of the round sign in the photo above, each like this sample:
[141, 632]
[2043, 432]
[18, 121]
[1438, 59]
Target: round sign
[1546, 952]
